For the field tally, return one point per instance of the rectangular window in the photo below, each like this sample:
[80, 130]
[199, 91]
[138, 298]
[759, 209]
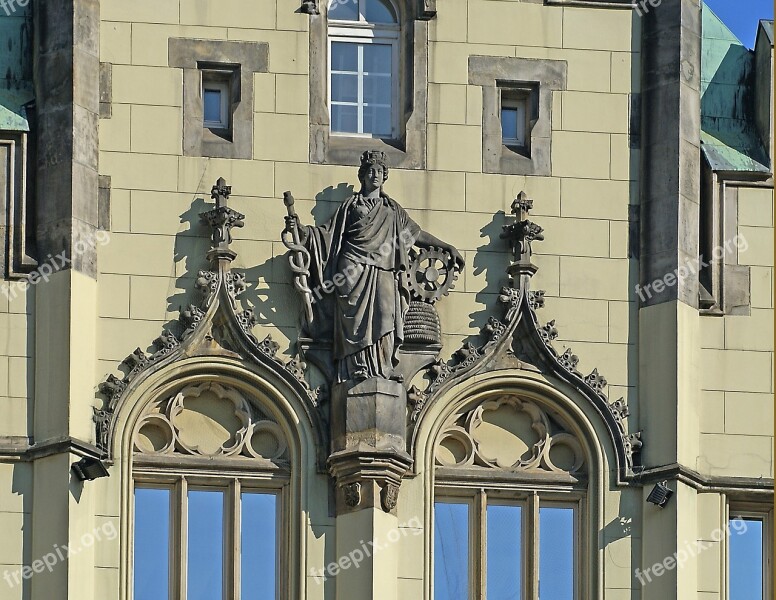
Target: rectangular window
[206, 543]
[556, 553]
[504, 552]
[490, 554]
[362, 88]
[749, 556]
[513, 124]
[518, 108]
[258, 532]
[217, 100]
[205, 567]
[152, 544]
[451, 551]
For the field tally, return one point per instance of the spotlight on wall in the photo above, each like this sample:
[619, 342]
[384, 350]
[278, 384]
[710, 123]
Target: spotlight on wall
[89, 469]
[660, 494]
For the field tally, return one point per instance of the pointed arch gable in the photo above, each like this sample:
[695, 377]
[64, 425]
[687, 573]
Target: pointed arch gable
[553, 397]
[519, 344]
[556, 398]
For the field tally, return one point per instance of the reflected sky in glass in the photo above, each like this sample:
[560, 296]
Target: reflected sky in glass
[259, 546]
[212, 103]
[504, 566]
[556, 553]
[205, 575]
[746, 560]
[451, 551]
[152, 544]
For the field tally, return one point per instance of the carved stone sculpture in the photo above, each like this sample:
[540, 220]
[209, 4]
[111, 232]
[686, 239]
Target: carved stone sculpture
[370, 324]
[356, 288]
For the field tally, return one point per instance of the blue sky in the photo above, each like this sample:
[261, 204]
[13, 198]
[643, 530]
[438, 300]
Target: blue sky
[742, 16]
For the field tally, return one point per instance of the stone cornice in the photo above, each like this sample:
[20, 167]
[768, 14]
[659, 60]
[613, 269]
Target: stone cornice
[21, 448]
[741, 488]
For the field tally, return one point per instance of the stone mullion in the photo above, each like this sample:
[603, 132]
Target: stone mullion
[531, 547]
[480, 544]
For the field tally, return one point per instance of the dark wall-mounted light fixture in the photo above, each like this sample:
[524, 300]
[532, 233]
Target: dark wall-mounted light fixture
[660, 494]
[89, 469]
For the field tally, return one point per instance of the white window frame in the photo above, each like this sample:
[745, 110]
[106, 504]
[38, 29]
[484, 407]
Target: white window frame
[512, 98]
[531, 501]
[361, 33]
[516, 105]
[179, 485]
[209, 82]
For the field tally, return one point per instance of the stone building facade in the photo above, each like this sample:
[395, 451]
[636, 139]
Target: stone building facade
[602, 169]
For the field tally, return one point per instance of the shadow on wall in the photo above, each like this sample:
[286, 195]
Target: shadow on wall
[492, 260]
[269, 285]
[191, 246]
[21, 485]
[271, 293]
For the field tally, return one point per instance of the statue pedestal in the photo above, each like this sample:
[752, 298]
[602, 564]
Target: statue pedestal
[368, 461]
[371, 413]
[368, 439]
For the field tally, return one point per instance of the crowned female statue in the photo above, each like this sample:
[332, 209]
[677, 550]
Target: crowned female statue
[355, 287]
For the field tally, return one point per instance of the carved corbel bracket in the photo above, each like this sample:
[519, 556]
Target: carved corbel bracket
[368, 478]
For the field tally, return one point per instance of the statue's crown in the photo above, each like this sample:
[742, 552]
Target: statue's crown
[372, 157]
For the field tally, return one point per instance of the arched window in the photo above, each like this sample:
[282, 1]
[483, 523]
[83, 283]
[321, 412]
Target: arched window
[363, 68]
[511, 482]
[210, 471]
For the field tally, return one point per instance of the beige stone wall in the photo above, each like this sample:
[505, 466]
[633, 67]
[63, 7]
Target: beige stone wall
[15, 521]
[157, 245]
[737, 359]
[17, 347]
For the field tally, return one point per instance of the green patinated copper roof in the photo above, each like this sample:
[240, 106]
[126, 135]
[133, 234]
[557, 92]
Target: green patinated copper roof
[728, 135]
[15, 68]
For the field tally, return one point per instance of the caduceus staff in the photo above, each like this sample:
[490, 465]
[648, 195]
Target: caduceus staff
[299, 259]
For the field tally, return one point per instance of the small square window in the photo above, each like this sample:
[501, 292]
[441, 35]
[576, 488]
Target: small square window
[216, 100]
[513, 123]
[515, 113]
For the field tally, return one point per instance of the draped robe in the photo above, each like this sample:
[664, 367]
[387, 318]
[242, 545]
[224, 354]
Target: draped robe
[360, 257]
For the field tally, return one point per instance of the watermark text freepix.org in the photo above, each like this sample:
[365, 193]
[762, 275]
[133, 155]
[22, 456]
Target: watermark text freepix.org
[355, 557]
[9, 7]
[689, 551]
[352, 272]
[53, 264]
[59, 554]
[643, 7]
[669, 280]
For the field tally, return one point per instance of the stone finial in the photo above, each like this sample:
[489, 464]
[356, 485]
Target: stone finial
[520, 234]
[221, 192]
[221, 220]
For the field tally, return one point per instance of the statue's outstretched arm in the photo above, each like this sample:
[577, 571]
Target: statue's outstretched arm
[426, 240]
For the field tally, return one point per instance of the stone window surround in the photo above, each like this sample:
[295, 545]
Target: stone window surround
[729, 281]
[180, 467]
[244, 59]
[491, 73]
[407, 152]
[478, 485]
[15, 196]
